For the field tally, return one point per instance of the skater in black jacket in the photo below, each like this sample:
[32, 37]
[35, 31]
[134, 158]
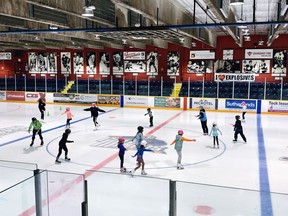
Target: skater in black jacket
[62, 146]
[238, 129]
[94, 113]
[41, 107]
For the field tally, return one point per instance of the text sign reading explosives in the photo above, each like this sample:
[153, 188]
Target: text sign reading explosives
[223, 77]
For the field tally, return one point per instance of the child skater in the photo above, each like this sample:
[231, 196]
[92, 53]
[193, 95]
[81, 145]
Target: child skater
[94, 109]
[178, 146]
[244, 110]
[121, 153]
[140, 160]
[69, 116]
[36, 125]
[62, 146]
[149, 112]
[41, 107]
[238, 129]
[138, 137]
[214, 132]
[203, 119]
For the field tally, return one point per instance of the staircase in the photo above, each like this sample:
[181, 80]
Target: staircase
[67, 87]
[176, 90]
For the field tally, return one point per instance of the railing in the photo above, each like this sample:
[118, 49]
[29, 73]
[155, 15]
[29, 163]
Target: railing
[203, 89]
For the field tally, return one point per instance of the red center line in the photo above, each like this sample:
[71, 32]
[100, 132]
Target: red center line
[79, 179]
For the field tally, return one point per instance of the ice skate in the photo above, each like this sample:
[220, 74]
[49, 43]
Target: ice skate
[31, 144]
[57, 162]
[143, 172]
[132, 173]
[235, 140]
[67, 159]
[95, 128]
[42, 143]
[123, 170]
[180, 166]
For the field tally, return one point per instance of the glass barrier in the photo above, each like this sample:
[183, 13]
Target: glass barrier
[198, 199]
[111, 194]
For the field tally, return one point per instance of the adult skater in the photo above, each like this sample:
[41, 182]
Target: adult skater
[140, 160]
[203, 119]
[178, 146]
[149, 112]
[62, 146]
[121, 153]
[138, 137]
[244, 110]
[36, 125]
[69, 116]
[41, 107]
[94, 109]
[238, 129]
[215, 133]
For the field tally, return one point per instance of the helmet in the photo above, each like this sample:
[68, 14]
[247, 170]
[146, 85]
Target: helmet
[67, 108]
[140, 128]
[121, 139]
[237, 117]
[180, 132]
[34, 119]
[143, 142]
[67, 131]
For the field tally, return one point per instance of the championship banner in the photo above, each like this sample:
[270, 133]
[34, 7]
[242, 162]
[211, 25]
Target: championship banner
[134, 55]
[5, 55]
[203, 54]
[108, 100]
[78, 63]
[225, 77]
[118, 63]
[65, 63]
[278, 106]
[104, 63]
[258, 53]
[90, 63]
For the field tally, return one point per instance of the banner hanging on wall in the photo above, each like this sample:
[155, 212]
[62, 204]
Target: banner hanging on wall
[256, 66]
[104, 64]
[118, 63]
[202, 54]
[134, 62]
[228, 54]
[258, 53]
[225, 77]
[91, 63]
[227, 66]
[152, 63]
[173, 63]
[5, 55]
[78, 63]
[199, 66]
[32, 60]
[279, 63]
[65, 63]
[52, 62]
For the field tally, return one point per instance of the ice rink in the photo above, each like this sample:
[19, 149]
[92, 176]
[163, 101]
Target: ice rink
[257, 164]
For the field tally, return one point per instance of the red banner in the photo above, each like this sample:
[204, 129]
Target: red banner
[18, 96]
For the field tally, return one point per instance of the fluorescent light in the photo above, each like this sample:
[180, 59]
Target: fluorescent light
[87, 12]
[236, 2]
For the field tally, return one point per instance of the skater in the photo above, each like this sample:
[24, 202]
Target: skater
[62, 146]
[149, 112]
[203, 119]
[238, 129]
[36, 125]
[69, 116]
[215, 132]
[41, 107]
[244, 110]
[178, 146]
[94, 109]
[140, 160]
[138, 137]
[121, 153]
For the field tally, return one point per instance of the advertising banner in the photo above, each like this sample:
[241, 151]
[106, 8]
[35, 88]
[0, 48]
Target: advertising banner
[202, 54]
[18, 96]
[34, 96]
[134, 55]
[167, 102]
[2, 95]
[5, 55]
[237, 104]
[278, 106]
[74, 98]
[108, 100]
[258, 53]
[225, 77]
[209, 104]
[135, 101]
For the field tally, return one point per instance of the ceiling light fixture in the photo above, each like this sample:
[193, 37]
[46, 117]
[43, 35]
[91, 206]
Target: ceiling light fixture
[236, 2]
[87, 12]
[124, 41]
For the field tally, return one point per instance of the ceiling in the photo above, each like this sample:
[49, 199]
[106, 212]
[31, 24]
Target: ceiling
[55, 24]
